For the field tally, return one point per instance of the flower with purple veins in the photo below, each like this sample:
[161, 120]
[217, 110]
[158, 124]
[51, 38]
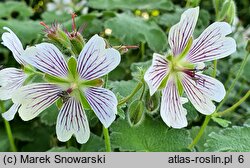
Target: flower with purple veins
[181, 70]
[11, 78]
[78, 84]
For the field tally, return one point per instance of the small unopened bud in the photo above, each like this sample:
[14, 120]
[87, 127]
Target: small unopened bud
[152, 103]
[228, 11]
[136, 112]
[56, 35]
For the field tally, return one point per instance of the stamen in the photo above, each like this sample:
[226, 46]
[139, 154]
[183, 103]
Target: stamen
[43, 24]
[69, 90]
[73, 15]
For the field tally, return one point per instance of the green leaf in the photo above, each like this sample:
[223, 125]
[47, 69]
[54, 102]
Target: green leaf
[144, 65]
[63, 149]
[170, 19]
[12, 9]
[131, 4]
[94, 144]
[124, 88]
[20, 131]
[235, 139]
[221, 122]
[4, 141]
[192, 113]
[199, 147]
[151, 135]
[138, 31]
[49, 116]
[42, 138]
[50, 17]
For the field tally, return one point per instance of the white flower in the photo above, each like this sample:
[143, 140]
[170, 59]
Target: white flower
[68, 6]
[180, 71]
[78, 84]
[11, 78]
[60, 6]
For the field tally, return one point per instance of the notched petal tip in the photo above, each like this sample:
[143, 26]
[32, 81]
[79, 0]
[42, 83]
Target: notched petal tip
[156, 73]
[12, 42]
[72, 121]
[172, 111]
[212, 44]
[104, 104]
[96, 60]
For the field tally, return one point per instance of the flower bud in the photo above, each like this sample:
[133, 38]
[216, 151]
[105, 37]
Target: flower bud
[69, 42]
[56, 35]
[152, 103]
[136, 112]
[228, 11]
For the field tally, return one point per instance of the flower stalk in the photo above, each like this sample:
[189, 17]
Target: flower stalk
[219, 114]
[137, 88]
[9, 132]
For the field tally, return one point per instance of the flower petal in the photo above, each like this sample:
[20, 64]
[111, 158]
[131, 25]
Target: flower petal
[180, 33]
[35, 98]
[172, 111]
[9, 115]
[72, 120]
[156, 73]
[12, 42]
[212, 43]
[104, 104]
[95, 61]
[201, 90]
[11, 79]
[47, 58]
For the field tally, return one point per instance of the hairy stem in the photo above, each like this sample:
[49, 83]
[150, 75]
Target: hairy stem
[219, 114]
[107, 139]
[105, 130]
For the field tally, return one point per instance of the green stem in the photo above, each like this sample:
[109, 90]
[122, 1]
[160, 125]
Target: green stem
[105, 130]
[215, 69]
[208, 117]
[8, 131]
[139, 85]
[234, 82]
[200, 133]
[143, 90]
[107, 139]
[219, 114]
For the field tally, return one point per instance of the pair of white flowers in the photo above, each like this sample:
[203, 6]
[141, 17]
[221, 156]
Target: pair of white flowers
[72, 84]
[174, 74]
